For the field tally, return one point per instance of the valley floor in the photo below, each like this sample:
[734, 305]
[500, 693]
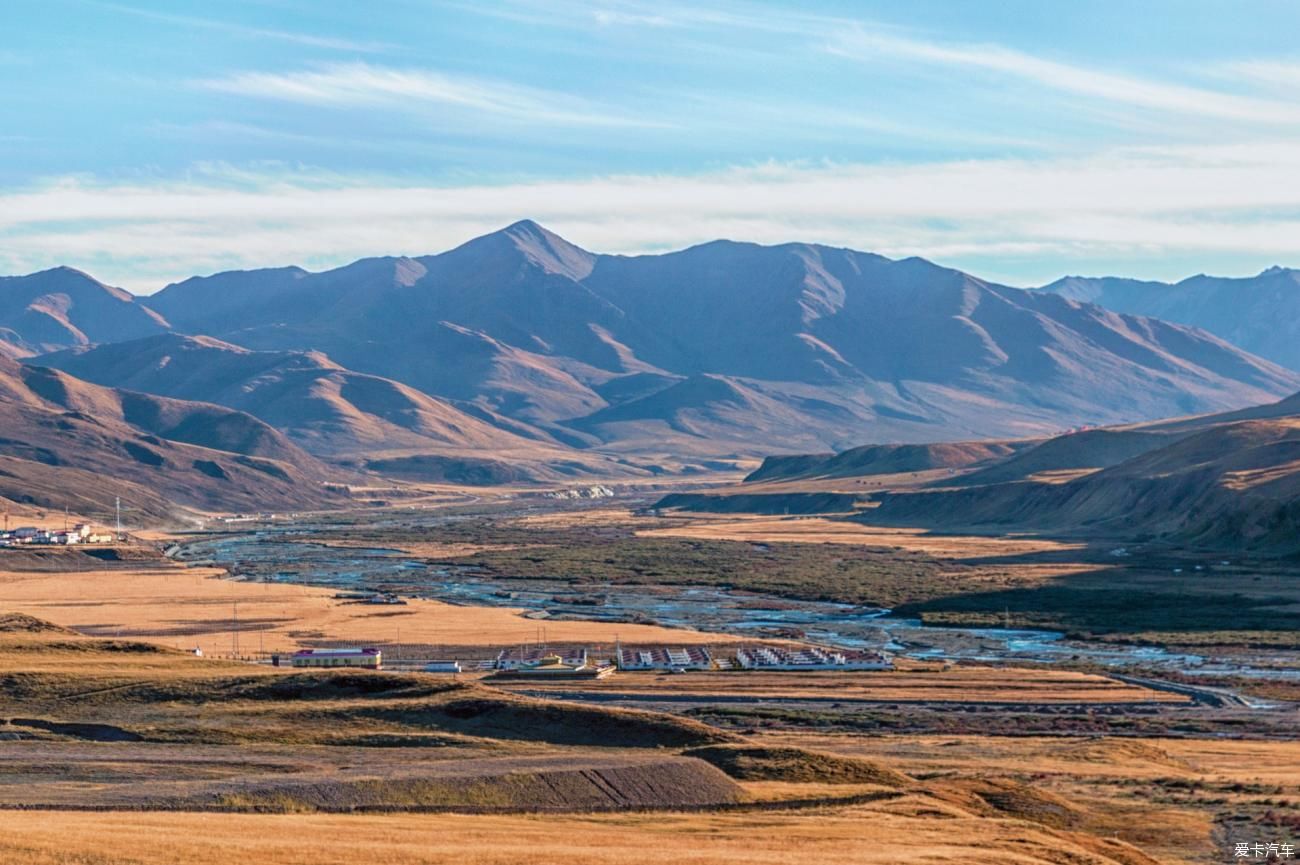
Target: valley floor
[201, 608]
[118, 747]
[978, 800]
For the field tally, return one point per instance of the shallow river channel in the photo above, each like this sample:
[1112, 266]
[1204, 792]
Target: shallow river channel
[272, 555]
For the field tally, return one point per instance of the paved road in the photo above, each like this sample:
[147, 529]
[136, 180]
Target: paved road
[741, 699]
[1203, 695]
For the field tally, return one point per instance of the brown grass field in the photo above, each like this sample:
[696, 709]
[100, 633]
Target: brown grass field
[1023, 801]
[195, 607]
[208, 725]
[818, 530]
[977, 800]
[207, 734]
[1038, 686]
[848, 836]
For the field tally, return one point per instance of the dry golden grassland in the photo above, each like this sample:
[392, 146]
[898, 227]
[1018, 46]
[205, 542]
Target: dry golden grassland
[288, 742]
[1039, 686]
[849, 836]
[1162, 795]
[975, 800]
[819, 530]
[195, 607]
[937, 799]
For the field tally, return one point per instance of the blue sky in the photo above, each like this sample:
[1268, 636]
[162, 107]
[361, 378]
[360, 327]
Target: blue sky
[146, 141]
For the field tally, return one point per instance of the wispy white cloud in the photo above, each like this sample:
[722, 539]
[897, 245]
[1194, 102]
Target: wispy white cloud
[868, 40]
[300, 38]
[862, 44]
[619, 18]
[727, 16]
[1281, 74]
[363, 84]
[1149, 203]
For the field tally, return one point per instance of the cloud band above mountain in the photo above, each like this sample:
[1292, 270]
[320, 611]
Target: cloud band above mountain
[1166, 204]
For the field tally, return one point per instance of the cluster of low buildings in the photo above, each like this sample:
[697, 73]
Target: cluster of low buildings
[809, 658]
[577, 662]
[543, 662]
[681, 659]
[82, 533]
[526, 661]
[368, 658]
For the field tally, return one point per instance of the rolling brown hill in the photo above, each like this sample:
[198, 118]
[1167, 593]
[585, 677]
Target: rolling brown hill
[991, 462]
[1228, 480]
[331, 411]
[1079, 451]
[1093, 449]
[63, 307]
[727, 349]
[884, 460]
[324, 407]
[1220, 482]
[69, 443]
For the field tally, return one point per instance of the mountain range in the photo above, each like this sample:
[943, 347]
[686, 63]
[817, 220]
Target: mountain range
[67, 443]
[328, 410]
[1228, 480]
[63, 307]
[1259, 313]
[519, 356]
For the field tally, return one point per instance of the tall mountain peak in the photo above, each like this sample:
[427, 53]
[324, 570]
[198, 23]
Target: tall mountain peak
[63, 307]
[538, 245]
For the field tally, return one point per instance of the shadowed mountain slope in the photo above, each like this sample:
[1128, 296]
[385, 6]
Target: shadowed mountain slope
[325, 408]
[1109, 446]
[995, 462]
[884, 460]
[1233, 485]
[1225, 480]
[727, 348]
[69, 443]
[62, 307]
[1259, 313]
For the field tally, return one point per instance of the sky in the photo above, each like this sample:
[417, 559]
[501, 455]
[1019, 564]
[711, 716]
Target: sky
[1020, 140]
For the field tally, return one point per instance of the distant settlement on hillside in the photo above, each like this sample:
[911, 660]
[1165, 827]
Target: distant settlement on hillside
[82, 533]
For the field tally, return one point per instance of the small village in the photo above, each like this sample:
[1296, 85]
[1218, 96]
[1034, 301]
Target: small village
[581, 662]
[81, 533]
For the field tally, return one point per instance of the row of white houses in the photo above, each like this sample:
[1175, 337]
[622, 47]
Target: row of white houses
[82, 533]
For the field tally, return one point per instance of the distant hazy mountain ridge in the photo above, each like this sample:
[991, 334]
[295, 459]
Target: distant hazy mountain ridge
[64, 307]
[1229, 480]
[69, 443]
[520, 340]
[726, 348]
[1259, 313]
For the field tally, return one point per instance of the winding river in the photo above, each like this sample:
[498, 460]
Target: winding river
[274, 555]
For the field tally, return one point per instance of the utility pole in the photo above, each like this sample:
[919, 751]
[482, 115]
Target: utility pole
[234, 631]
[118, 501]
